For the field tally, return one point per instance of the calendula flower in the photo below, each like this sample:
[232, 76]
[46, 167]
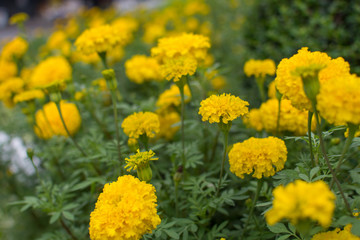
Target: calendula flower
[7, 70]
[336, 234]
[259, 68]
[141, 68]
[171, 97]
[28, 95]
[18, 18]
[99, 39]
[301, 201]
[140, 123]
[126, 209]
[288, 74]
[49, 124]
[167, 121]
[51, 71]
[338, 100]
[258, 155]
[15, 49]
[224, 108]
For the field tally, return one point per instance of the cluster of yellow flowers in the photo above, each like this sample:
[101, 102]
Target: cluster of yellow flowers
[126, 209]
[14, 49]
[140, 68]
[48, 122]
[301, 201]
[337, 234]
[291, 119]
[259, 155]
[140, 123]
[288, 80]
[170, 98]
[259, 68]
[224, 108]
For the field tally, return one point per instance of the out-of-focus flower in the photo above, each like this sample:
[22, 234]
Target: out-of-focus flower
[7, 70]
[18, 18]
[15, 49]
[336, 234]
[171, 97]
[259, 68]
[167, 120]
[28, 95]
[141, 68]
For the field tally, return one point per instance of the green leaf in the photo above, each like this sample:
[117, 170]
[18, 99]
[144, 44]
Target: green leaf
[283, 237]
[172, 234]
[355, 229]
[278, 228]
[304, 177]
[68, 216]
[55, 217]
[314, 171]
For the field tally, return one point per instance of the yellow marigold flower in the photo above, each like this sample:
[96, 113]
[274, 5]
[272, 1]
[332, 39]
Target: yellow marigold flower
[339, 99]
[9, 88]
[259, 68]
[290, 84]
[126, 26]
[51, 71]
[218, 82]
[28, 95]
[259, 155]
[7, 70]
[175, 68]
[99, 39]
[115, 219]
[48, 121]
[300, 200]
[254, 119]
[18, 18]
[141, 68]
[14, 49]
[77, 56]
[224, 108]
[58, 41]
[186, 44]
[167, 120]
[153, 31]
[141, 123]
[336, 234]
[139, 159]
[171, 97]
[272, 90]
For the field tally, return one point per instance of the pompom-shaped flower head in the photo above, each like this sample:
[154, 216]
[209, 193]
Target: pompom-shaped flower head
[141, 69]
[141, 123]
[53, 71]
[301, 201]
[222, 109]
[49, 124]
[258, 155]
[259, 68]
[140, 163]
[306, 65]
[14, 49]
[180, 55]
[125, 210]
[337, 234]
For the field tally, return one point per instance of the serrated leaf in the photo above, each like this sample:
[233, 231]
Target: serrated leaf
[172, 234]
[278, 228]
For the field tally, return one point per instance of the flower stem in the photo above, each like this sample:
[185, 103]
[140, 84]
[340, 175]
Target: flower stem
[113, 96]
[352, 130]
[226, 136]
[67, 229]
[347, 205]
[181, 84]
[310, 115]
[260, 83]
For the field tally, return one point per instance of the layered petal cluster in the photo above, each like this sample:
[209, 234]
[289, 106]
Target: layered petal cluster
[301, 200]
[51, 71]
[141, 68]
[291, 119]
[258, 155]
[290, 84]
[259, 68]
[139, 159]
[339, 99]
[14, 49]
[337, 234]
[125, 210]
[141, 123]
[222, 108]
[171, 97]
[48, 122]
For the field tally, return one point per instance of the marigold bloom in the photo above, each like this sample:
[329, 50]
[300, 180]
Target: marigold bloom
[175, 68]
[171, 97]
[141, 123]
[290, 84]
[259, 155]
[300, 200]
[58, 41]
[16, 48]
[336, 234]
[9, 88]
[126, 26]
[7, 70]
[167, 120]
[99, 39]
[18, 18]
[339, 99]
[223, 108]
[254, 119]
[139, 159]
[141, 68]
[51, 71]
[125, 210]
[272, 90]
[48, 121]
[259, 68]
[28, 95]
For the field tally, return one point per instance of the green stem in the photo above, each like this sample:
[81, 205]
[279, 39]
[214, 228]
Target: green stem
[347, 205]
[67, 229]
[310, 115]
[176, 199]
[258, 188]
[352, 130]
[226, 136]
[213, 152]
[113, 96]
[260, 83]
[180, 84]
